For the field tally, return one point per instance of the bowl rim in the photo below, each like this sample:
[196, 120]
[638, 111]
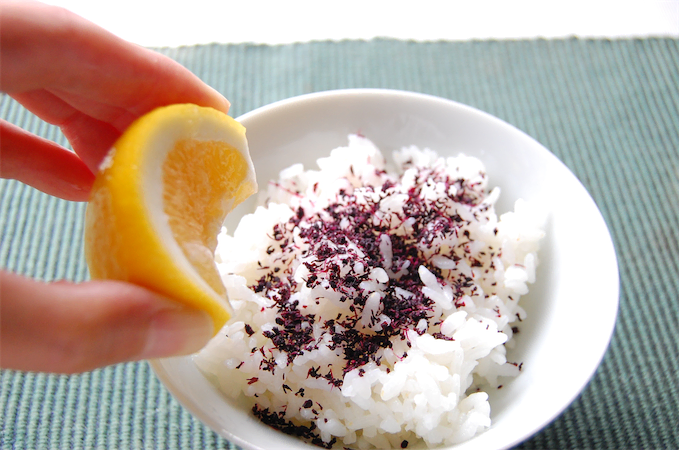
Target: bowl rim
[329, 95]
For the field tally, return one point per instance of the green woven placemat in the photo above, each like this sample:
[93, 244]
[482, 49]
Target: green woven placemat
[608, 109]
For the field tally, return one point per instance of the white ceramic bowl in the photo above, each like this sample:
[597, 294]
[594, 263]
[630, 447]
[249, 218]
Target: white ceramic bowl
[571, 309]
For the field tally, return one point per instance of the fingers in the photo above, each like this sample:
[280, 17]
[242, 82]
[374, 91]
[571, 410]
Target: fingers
[43, 164]
[72, 65]
[58, 107]
[90, 138]
[92, 85]
[68, 328]
[49, 47]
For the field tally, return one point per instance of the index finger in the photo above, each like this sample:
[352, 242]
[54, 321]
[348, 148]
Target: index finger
[90, 69]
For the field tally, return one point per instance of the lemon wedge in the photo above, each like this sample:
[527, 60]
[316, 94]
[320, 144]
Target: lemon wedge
[159, 201]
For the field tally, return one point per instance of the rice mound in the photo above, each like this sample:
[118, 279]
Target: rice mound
[373, 302]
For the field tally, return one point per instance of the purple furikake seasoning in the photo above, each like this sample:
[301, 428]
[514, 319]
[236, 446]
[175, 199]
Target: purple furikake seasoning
[367, 252]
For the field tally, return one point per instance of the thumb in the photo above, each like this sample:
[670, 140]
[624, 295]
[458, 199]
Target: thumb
[68, 328]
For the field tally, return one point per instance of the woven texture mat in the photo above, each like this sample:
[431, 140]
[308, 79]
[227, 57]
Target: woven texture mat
[591, 102]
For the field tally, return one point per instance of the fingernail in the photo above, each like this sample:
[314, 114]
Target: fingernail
[175, 332]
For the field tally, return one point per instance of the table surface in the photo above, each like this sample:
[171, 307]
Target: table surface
[608, 108]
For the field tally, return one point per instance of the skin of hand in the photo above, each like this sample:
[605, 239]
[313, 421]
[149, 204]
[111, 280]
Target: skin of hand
[93, 85]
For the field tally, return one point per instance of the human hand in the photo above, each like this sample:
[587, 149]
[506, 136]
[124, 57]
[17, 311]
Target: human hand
[91, 84]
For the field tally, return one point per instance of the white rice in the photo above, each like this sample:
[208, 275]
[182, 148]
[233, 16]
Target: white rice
[427, 374]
